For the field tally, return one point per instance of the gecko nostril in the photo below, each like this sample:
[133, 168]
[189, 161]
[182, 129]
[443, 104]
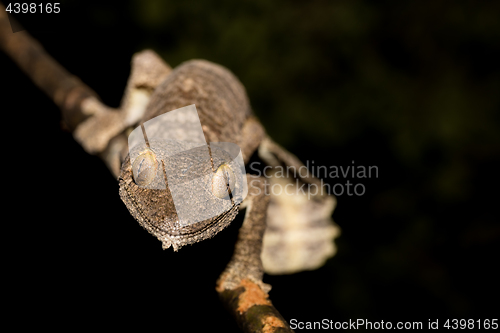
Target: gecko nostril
[145, 167]
[222, 179]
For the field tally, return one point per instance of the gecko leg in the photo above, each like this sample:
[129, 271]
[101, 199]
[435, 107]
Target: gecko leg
[103, 131]
[252, 135]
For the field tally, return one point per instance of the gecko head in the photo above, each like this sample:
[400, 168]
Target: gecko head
[183, 197]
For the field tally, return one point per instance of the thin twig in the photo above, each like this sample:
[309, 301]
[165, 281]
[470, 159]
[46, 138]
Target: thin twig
[66, 90]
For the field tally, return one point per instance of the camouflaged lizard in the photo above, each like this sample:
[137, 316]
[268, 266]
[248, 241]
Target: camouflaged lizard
[299, 233]
[280, 233]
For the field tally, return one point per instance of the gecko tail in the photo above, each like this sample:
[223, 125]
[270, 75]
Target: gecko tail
[300, 231]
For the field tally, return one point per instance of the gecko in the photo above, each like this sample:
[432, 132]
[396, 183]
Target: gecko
[285, 233]
[280, 234]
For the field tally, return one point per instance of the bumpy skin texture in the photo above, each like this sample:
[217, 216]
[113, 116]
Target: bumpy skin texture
[219, 96]
[300, 230]
[224, 110]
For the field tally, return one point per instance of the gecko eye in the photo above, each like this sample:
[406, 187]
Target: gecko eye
[145, 167]
[223, 178]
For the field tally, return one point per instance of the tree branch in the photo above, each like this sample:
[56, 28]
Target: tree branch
[252, 309]
[240, 286]
[66, 90]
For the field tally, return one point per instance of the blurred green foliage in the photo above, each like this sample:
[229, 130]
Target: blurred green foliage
[412, 87]
[425, 74]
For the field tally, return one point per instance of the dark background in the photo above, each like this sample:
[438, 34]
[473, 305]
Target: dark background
[411, 87]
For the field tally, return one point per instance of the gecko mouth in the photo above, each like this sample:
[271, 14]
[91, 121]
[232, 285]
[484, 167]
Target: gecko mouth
[218, 221]
[181, 235]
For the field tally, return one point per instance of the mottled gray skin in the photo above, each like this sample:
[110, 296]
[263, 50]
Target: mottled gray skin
[225, 116]
[300, 231]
